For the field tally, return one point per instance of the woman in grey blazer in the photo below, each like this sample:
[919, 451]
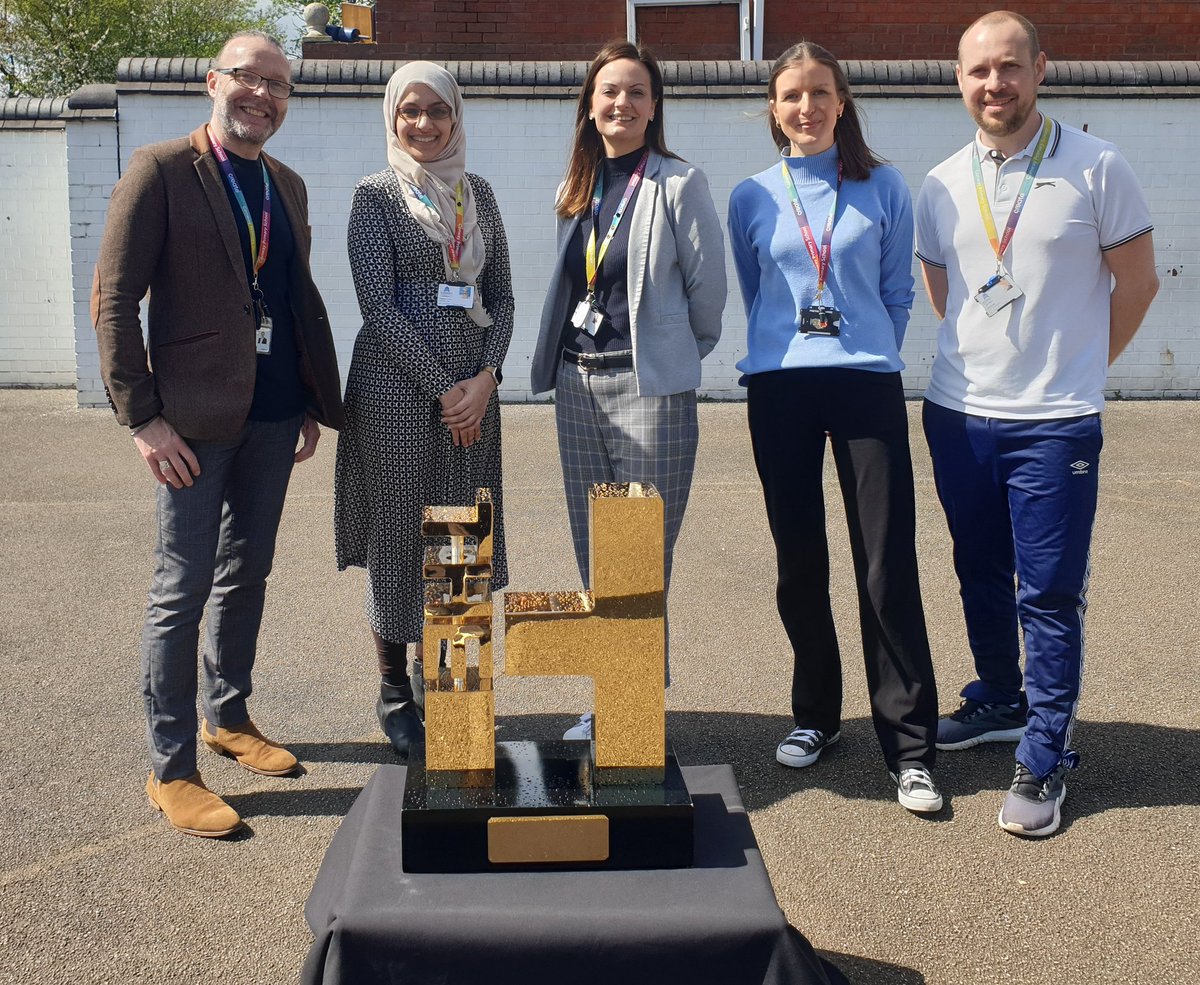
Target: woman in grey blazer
[634, 302]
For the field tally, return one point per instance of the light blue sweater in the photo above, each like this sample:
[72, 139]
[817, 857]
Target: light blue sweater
[870, 280]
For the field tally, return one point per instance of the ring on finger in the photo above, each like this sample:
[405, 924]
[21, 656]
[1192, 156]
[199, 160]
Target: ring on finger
[164, 466]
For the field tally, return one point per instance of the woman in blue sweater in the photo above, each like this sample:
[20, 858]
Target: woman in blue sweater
[823, 243]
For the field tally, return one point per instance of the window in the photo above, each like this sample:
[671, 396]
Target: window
[749, 21]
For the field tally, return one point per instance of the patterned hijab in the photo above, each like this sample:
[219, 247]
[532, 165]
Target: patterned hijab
[438, 179]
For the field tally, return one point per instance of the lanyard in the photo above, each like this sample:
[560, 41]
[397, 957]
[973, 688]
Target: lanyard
[1000, 246]
[591, 259]
[821, 258]
[454, 248]
[258, 251]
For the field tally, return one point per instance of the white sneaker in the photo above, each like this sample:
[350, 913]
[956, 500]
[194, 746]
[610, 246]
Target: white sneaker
[581, 730]
[916, 790]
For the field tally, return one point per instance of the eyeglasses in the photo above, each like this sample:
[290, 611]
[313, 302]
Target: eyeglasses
[252, 80]
[413, 113]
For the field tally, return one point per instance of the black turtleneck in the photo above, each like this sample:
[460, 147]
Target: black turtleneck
[612, 289]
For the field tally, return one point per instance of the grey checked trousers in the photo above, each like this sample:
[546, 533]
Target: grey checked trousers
[607, 433]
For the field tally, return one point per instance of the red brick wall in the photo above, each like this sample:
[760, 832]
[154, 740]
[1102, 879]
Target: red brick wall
[568, 30]
[501, 30]
[1083, 30]
[700, 33]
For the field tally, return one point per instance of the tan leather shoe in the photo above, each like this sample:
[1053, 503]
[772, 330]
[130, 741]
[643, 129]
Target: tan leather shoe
[249, 747]
[192, 808]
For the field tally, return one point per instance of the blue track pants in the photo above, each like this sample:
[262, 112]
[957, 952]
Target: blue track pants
[1020, 500]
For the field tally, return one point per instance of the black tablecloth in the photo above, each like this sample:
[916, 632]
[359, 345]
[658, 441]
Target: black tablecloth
[717, 922]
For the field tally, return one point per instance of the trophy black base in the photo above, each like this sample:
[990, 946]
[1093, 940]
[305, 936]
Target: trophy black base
[546, 808]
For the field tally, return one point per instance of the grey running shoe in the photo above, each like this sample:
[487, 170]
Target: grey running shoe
[1031, 806]
[803, 746]
[916, 790]
[977, 721]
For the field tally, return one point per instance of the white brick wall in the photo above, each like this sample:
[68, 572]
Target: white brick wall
[92, 172]
[520, 146]
[36, 342]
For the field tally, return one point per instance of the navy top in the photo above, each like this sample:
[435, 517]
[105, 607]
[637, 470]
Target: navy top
[612, 288]
[278, 392]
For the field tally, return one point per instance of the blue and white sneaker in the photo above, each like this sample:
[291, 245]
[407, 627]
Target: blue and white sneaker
[1032, 806]
[976, 722]
[803, 746]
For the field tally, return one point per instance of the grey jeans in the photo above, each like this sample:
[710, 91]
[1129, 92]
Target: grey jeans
[216, 544]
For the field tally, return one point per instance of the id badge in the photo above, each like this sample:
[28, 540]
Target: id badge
[587, 317]
[820, 321]
[262, 336]
[998, 293]
[579, 316]
[456, 295]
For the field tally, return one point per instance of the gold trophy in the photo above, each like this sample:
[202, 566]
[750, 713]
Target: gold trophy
[618, 801]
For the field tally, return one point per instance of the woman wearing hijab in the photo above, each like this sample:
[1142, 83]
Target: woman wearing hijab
[635, 300]
[430, 264]
[823, 242]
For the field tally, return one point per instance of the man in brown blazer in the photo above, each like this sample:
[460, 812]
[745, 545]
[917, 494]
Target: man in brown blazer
[237, 365]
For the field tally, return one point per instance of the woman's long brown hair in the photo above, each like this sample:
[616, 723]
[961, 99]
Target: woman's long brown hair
[857, 158]
[587, 149]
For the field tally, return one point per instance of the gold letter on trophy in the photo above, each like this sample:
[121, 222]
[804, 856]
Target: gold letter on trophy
[614, 634]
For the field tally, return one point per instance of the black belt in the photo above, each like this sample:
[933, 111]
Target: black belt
[599, 360]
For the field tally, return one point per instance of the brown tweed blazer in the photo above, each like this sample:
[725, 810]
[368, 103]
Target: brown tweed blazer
[170, 231]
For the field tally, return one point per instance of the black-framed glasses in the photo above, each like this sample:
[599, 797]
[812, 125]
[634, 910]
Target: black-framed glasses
[252, 80]
[413, 113]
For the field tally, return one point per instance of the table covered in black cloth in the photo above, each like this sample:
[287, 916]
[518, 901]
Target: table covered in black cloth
[717, 922]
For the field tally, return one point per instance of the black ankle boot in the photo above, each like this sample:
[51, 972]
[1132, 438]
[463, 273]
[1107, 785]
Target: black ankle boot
[418, 683]
[398, 717]
[418, 686]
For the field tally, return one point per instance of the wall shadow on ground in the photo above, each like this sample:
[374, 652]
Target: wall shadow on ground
[281, 802]
[344, 752]
[1124, 764]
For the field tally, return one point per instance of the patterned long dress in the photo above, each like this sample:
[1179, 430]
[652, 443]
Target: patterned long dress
[394, 455]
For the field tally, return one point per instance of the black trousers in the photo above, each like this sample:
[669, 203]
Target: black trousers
[791, 411]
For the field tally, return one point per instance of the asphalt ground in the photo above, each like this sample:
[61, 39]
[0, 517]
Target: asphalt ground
[96, 888]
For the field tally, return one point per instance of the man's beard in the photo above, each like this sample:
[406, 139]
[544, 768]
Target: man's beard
[243, 131]
[1000, 127]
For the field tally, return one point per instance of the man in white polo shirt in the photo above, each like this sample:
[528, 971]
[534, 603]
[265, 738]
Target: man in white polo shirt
[1036, 249]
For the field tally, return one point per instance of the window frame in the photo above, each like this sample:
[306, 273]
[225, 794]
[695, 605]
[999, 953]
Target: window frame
[750, 18]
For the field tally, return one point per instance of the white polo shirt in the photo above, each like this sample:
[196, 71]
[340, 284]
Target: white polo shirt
[1046, 354]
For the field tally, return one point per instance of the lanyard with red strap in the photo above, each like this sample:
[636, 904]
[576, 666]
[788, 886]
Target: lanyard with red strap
[822, 257]
[454, 248]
